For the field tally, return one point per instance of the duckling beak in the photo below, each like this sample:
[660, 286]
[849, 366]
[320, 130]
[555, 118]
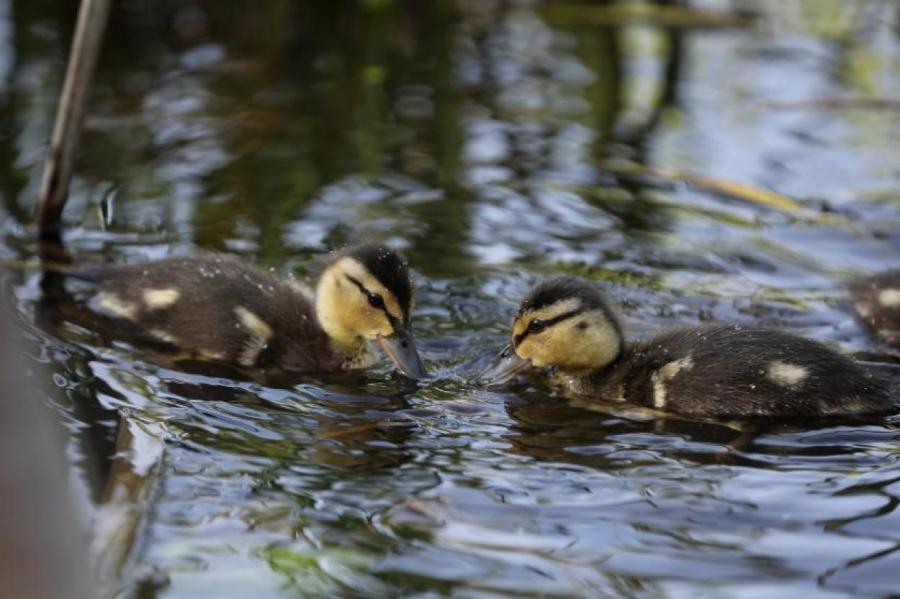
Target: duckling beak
[401, 349]
[504, 367]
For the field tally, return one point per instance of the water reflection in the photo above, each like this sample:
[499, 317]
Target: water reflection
[495, 143]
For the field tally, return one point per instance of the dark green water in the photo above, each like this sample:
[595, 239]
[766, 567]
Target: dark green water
[484, 140]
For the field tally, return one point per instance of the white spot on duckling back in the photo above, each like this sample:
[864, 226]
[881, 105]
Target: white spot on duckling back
[163, 336]
[260, 334]
[667, 373]
[786, 375]
[157, 299]
[863, 309]
[253, 323]
[208, 354]
[889, 298]
[110, 303]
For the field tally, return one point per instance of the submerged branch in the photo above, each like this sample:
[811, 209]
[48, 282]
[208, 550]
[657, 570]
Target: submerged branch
[591, 15]
[721, 187]
[833, 104]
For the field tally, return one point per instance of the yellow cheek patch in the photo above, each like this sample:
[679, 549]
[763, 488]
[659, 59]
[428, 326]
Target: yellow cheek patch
[552, 347]
[587, 341]
[525, 350]
[360, 316]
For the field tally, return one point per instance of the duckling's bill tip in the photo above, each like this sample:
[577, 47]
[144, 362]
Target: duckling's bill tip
[401, 349]
[503, 368]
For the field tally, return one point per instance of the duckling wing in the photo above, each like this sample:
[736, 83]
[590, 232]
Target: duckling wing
[215, 307]
[735, 371]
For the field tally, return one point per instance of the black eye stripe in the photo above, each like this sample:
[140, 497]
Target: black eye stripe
[356, 282]
[544, 324]
[375, 300]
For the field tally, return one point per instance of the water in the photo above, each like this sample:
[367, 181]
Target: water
[486, 141]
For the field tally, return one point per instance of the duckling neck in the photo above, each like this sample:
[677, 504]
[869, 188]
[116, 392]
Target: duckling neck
[605, 380]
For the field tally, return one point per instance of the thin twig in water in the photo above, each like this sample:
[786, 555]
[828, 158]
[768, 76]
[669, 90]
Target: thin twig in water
[92, 16]
[591, 15]
[833, 104]
[722, 187]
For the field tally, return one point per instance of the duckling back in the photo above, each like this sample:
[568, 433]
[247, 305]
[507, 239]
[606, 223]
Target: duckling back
[215, 307]
[738, 372]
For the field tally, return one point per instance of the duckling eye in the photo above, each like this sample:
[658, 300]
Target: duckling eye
[536, 326]
[376, 300]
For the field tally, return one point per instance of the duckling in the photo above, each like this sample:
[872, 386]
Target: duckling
[218, 308]
[714, 371]
[876, 300]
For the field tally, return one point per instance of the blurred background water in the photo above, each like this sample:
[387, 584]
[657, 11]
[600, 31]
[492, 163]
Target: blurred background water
[495, 143]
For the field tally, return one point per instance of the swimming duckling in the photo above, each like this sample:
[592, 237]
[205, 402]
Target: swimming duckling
[719, 371]
[219, 308]
[876, 300]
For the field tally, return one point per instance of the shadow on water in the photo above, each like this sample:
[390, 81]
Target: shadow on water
[494, 143]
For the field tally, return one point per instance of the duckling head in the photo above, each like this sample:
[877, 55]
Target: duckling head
[563, 323]
[365, 294]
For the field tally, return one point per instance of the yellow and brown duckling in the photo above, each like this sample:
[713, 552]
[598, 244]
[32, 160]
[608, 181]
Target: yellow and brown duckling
[876, 300]
[219, 308]
[718, 371]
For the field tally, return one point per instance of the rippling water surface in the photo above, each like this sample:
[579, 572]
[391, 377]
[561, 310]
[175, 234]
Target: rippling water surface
[495, 144]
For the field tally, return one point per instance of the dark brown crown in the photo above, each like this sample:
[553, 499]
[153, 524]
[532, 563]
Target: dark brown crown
[562, 288]
[388, 267]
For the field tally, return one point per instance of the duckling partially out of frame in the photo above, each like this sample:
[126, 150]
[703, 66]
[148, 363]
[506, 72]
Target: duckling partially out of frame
[876, 300]
[219, 308]
[716, 371]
